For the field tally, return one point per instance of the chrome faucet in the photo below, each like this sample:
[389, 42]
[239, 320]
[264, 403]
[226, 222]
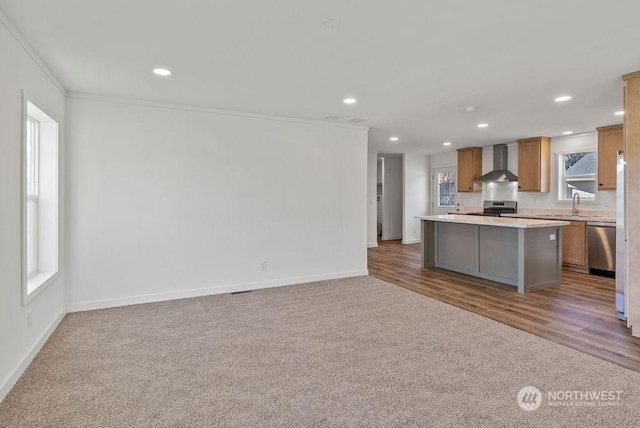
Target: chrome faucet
[574, 210]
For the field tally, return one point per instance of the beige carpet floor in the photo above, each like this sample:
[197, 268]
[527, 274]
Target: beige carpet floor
[355, 352]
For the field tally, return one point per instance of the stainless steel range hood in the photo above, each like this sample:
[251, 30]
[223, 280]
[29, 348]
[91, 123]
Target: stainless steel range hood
[500, 172]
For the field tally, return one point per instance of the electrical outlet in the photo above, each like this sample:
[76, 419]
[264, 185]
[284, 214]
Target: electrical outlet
[552, 237]
[263, 265]
[29, 319]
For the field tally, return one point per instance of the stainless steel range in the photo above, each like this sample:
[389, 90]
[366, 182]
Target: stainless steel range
[495, 208]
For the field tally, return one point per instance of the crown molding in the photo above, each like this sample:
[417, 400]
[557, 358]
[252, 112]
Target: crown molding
[630, 76]
[32, 53]
[157, 104]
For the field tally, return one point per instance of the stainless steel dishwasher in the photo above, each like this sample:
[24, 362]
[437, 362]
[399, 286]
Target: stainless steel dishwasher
[601, 238]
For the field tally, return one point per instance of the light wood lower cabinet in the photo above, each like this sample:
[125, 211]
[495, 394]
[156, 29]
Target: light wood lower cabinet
[574, 246]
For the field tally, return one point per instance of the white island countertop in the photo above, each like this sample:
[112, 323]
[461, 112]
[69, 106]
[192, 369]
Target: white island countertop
[519, 223]
[578, 217]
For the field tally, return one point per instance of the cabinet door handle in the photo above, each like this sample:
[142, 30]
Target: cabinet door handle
[599, 184]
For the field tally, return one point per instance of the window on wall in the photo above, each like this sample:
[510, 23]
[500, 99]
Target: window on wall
[577, 175]
[446, 189]
[40, 201]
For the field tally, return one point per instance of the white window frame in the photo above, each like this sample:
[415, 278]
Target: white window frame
[560, 179]
[32, 125]
[435, 200]
[45, 199]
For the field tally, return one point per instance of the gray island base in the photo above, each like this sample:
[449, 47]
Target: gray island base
[526, 253]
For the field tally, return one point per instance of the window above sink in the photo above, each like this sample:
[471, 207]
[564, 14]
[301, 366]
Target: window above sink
[576, 175]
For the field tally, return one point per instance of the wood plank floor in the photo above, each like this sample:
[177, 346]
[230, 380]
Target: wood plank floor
[579, 314]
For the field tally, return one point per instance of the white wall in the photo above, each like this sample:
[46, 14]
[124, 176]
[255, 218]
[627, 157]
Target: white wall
[18, 342]
[166, 202]
[392, 212]
[372, 205]
[416, 195]
[605, 200]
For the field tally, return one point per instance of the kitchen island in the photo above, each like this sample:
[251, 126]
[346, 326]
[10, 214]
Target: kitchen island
[526, 253]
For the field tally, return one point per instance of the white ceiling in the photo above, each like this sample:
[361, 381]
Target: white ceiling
[412, 65]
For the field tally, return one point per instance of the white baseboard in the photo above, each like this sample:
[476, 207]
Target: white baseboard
[410, 241]
[13, 378]
[220, 289]
[372, 245]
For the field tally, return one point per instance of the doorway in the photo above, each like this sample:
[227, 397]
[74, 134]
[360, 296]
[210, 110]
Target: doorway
[444, 190]
[390, 197]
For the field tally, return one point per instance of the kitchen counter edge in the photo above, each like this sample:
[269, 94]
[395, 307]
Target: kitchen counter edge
[519, 223]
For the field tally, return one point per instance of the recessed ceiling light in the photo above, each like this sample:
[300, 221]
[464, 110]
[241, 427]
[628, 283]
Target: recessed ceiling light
[349, 100]
[446, 143]
[162, 72]
[393, 139]
[563, 98]
[483, 125]
[567, 133]
[619, 113]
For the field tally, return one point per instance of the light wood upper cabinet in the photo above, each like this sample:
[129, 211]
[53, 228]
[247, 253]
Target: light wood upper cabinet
[469, 168]
[610, 140]
[534, 157]
[574, 244]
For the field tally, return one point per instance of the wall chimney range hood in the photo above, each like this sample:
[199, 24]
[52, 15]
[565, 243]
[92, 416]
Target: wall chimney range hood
[500, 172]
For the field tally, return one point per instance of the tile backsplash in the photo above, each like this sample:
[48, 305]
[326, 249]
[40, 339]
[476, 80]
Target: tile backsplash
[545, 202]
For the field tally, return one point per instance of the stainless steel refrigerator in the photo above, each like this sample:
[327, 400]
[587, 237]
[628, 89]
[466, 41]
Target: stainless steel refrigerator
[621, 242]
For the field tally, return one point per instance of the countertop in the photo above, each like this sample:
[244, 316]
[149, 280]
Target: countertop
[519, 223]
[586, 218]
